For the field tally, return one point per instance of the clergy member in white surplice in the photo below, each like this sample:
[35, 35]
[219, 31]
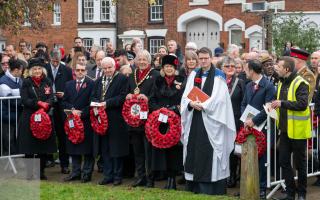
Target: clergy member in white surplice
[208, 129]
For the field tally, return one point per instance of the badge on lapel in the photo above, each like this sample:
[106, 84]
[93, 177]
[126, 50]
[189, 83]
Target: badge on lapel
[84, 85]
[47, 90]
[178, 84]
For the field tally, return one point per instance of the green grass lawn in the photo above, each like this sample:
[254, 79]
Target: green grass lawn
[76, 191]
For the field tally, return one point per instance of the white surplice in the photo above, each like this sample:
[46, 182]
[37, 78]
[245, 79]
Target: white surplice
[217, 115]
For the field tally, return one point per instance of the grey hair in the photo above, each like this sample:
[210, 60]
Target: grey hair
[96, 47]
[191, 45]
[233, 47]
[108, 60]
[146, 54]
[55, 53]
[227, 60]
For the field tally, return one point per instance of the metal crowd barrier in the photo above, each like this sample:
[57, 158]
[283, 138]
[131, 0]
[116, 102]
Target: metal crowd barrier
[10, 109]
[274, 172]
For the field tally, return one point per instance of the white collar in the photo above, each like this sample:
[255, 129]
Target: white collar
[52, 67]
[257, 81]
[81, 81]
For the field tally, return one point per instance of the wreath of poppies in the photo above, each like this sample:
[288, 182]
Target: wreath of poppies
[99, 120]
[131, 111]
[40, 125]
[260, 138]
[74, 129]
[173, 134]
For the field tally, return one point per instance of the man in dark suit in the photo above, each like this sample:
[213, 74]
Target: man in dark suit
[59, 74]
[258, 92]
[96, 72]
[111, 90]
[76, 97]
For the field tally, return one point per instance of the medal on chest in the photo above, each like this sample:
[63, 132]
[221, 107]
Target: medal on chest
[137, 89]
[47, 90]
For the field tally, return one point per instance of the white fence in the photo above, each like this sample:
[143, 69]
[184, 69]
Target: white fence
[274, 172]
[9, 115]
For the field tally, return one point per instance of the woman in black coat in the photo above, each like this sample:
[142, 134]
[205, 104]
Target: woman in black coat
[141, 82]
[36, 93]
[167, 92]
[236, 88]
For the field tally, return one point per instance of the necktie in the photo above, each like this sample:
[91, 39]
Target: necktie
[99, 73]
[78, 86]
[54, 73]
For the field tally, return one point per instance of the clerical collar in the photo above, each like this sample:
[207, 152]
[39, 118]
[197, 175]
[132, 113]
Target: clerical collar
[257, 81]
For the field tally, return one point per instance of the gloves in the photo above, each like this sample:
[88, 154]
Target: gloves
[43, 105]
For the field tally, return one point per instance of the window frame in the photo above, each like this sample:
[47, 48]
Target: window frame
[109, 13]
[55, 14]
[84, 13]
[155, 38]
[85, 45]
[160, 6]
[106, 41]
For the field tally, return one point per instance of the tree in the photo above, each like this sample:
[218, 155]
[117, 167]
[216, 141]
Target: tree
[296, 29]
[15, 13]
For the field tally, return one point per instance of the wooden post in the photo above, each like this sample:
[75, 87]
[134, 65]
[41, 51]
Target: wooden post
[249, 181]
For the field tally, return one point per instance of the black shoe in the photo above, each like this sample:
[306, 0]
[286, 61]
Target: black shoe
[140, 182]
[301, 197]
[43, 177]
[263, 195]
[150, 184]
[117, 182]
[65, 170]
[181, 181]
[86, 178]
[232, 182]
[50, 163]
[72, 178]
[105, 182]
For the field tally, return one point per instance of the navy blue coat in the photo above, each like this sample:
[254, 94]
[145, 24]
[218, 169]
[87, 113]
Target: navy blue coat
[80, 101]
[116, 141]
[257, 99]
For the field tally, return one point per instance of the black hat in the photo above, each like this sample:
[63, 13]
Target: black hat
[299, 53]
[131, 55]
[41, 44]
[36, 62]
[171, 60]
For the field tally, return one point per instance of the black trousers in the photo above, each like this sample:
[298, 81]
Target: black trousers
[142, 154]
[87, 165]
[58, 127]
[298, 148]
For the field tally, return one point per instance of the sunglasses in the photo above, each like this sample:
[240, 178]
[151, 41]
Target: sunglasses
[80, 70]
[227, 66]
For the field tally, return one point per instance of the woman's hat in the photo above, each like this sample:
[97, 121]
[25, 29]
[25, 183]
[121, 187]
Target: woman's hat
[36, 62]
[171, 60]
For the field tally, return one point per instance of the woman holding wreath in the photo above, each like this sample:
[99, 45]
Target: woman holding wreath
[140, 84]
[36, 93]
[167, 93]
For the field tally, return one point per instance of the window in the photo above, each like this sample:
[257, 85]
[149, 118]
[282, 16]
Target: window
[236, 37]
[154, 44]
[105, 10]
[103, 42]
[56, 14]
[87, 43]
[156, 11]
[88, 10]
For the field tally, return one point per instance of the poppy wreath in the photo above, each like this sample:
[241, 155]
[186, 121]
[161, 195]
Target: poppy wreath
[260, 139]
[99, 120]
[131, 111]
[173, 134]
[40, 125]
[74, 129]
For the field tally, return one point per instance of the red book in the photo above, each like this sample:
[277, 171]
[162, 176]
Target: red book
[197, 94]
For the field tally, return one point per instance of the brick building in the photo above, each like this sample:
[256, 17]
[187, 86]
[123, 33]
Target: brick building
[206, 22]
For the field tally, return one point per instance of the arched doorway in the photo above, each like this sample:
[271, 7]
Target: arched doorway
[204, 32]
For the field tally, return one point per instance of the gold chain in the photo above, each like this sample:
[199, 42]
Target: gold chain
[137, 90]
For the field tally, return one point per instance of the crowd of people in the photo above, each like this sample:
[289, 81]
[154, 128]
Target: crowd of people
[232, 81]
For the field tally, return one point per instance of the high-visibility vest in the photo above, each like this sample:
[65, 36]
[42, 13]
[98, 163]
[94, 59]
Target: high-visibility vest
[299, 123]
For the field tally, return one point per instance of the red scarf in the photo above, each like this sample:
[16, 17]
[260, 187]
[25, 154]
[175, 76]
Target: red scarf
[143, 73]
[37, 80]
[169, 80]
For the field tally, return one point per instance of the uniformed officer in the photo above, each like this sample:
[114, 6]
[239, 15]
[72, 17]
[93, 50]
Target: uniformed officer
[300, 57]
[294, 125]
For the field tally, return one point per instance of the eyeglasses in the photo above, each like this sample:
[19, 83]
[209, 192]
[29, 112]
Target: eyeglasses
[80, 70]
[5, 63]
[27, 54]
[227, 66]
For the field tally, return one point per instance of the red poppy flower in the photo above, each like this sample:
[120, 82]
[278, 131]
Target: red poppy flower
[74, 129]
[198, 80]
[176, 62]
[40, 125]
[99, 120]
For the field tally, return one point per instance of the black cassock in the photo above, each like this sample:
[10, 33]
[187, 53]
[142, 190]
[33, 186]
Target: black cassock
[199, 150]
